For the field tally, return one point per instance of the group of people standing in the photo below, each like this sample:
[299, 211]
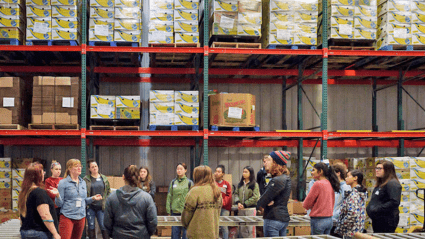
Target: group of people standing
[336, 201]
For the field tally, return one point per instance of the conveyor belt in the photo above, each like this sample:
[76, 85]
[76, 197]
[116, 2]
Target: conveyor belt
[397, 235]
[235, 221]
[10, 229]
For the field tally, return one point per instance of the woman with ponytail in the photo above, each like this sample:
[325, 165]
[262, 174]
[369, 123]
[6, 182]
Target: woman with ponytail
[202, 206]
[130, 212]
[353, 210]
[321, 198]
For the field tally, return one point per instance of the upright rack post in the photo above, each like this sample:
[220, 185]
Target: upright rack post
[374, 116]
[83, 87]
[205, 113]
[324, 118]
[300, 126]
[400, 122]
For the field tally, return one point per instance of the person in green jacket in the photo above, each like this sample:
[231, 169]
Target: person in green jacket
[246, 197]
[96, 184]
[179, 187]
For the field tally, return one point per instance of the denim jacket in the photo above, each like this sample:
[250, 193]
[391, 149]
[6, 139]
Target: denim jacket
[73, 198]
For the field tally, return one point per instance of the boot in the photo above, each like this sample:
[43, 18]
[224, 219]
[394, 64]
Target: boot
[105, 234]
[91, 233]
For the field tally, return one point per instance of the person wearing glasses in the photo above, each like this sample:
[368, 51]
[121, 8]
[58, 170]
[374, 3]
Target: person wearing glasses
[383, 206]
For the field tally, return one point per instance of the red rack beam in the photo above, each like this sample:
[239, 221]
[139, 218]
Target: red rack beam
[189, 50]
[264, 134]
[40, 133]
[168, 133]
[40, 48]
[376, 134]
[44, 69]
[374, 53]
[264, 51]
[144, 142]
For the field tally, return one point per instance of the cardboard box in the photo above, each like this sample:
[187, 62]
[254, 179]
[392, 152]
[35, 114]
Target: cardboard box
[249, 30]
[5, 193]
[186, 96]
[8, 215]
[127, 12]
[15, 205]
[12, 33]
[187, 108]
[418, 39]
[128, 113]
[12, 11]
[395, 17]
[161, 108]
[232, 110]
[186, 37]
[161, 15]
[394, 6]
[18, 23]
[127, 3]
[39, 34]
[118, 182]
[186, 119]
[5, 183]
[37, 2]
[102, 107]
[186, 4]
[289, 231]
[157, 26]
[108, 3]
[6, 203]
[158, 96]
[298, 208]
[94, 36]
[186, 26]
[302, 231]
[130, 101]
[161, 37]
[417, 162]
[21, 162]
[65, 34]
[225, 6]
[64, 2]
[161, 119]
[32, 21]
[93, 22]
[18, 173]
[128, 24]
[15, 193]
[185, 15]
[127, 36]
[156, 5]
[221, 29]
[5, 173]
[39, 11]
[65, 23]
[16, 184]
[102, 12]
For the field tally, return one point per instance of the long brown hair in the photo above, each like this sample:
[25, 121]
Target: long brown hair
[389, 173]
[71, 163]
[33, 176]
[131, 175]
[203, 176]
[341, 168]
[278, 169]
[148, 179]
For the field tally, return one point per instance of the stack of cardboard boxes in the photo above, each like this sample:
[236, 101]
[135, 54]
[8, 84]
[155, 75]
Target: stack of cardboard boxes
[65, 15]
[5, 183]
[115, 107]
[186, 18]
[17, 179]
[102, 21]
[39, 20]
[56, 100]
[12, 20]
[13, 101]
[161, 21]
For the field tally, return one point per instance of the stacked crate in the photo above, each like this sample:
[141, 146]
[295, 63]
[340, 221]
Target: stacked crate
[101, 21]
[161, 107]
[65, 15]
[290, 22]
[128, 107]
[418, 23]
[56, 100]
[39, 20]
[17, 179]
[128, 21]
[186, 108]
[417, 180]
[365, 20]
[5, 183]
[232, 17]
[186, 20]
[13, 101]
[12, 21]
[161, 21]
[102, 107]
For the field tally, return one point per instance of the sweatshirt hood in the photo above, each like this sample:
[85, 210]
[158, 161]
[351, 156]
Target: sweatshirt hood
[362, 192]
[127, 195]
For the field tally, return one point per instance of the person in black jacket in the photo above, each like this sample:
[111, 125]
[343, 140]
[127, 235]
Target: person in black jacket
[263, 178]
[275, 198]
[383, 206]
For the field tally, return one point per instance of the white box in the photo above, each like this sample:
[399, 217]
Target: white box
[418, 6]
[365, 11]
[69, 34]
[19, 23]
[417, 162]
[100, 3]
[366, 2]
[405, 197]
[398, 30]
[342, 11]
[185, 119]
[37, 2]
[191, 109]
[406, 185]
[418, 17]
[161, 108]
[102, 107]
[12, 11]
[128, 3]
[186, 26]
[400, 162]
[186, 37]
[274, 39]
[161, 37]
[282, 17]
[164, 15]
[281, 5]
[39, 11]
[404, 219]
[127, 36]
[102, 12]
[309, 28]
[340, 2]
[161, 119]
[365, 23]
[161, 5]
[337, 21]
[32, 34]
[397, 18]
[417, 173]
[64, 11]
[130, 101]
[15, 193]
[186, 15]
[335, 33]
[18, 173]
[305, 16]
[64, 23]
[157, 26]
[64, 2]
[17, 183]
[186, 4]
[418, 28]
[96, 37]
[249, 30]
[250, 18]
[417, 218]
[418, 39]
[404, 207]
[282, 26]
[394, 6]
[157, 96]
[305, 39]
[128, 12]
[415, 184]
[128, 24]
[31, 21]
[305, 5]
[225, 6]
[5, 173]
[186, 96]
[102, 22]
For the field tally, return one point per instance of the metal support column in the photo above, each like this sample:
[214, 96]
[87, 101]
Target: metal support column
[284, 126]
[324, 118]
[400, 122]
[374, 116]
[205, 112]
[300, 126]
[83, 88]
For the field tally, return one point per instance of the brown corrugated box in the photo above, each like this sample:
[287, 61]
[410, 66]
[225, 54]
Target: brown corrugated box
[13, 87]
[7, 215]
[219, 108]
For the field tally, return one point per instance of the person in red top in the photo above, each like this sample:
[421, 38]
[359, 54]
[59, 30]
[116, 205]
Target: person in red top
[53, 182]
[226, 193]
[321, 198]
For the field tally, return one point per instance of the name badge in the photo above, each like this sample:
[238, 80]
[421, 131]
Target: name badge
[174, 185]
[78, 203]
[98, 179]
[377, 193]
[224, 186]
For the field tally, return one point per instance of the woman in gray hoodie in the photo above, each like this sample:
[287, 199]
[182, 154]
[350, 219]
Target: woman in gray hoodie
[130, 212]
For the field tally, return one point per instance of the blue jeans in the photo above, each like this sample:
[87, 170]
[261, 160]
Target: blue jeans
[91, 215]
[178, 232]
[274, 228]
[224, 230]
[33, 234]
[321, 225]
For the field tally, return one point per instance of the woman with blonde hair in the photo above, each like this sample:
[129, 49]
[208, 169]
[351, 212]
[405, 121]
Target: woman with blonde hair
[202, 207]
[146, 182]
[36, 209]
[71, 197]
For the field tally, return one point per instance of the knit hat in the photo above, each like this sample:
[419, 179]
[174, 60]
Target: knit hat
[280, 157]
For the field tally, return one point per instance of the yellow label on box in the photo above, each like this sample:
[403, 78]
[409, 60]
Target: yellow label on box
[127, 36]
[5, 183]
[19, 23]
[161, 96]
[13, 11]
[249, 30]
[65, 23]
[403, 173]
[102, 12]
[102, 106]
[186, 96]
[128, 101]
[4, 163]
[5, 173]
[186, 26]
[186, 4]
[20, 2]
[127, 24]
[185, 15]
[102, 3]
[186, 37]
[404, 208]
[183, 119]
[228, 6]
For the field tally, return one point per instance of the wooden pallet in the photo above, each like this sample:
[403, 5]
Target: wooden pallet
[292, 47]
[111, 127]
[351, 44]
[175, 45]
[51, 43]
[113, 43]
[239, 45]
[11, 127]
[402, 48]
[54, 126]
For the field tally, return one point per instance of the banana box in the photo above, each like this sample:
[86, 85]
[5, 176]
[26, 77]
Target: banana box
[365, 23]
[418, 28]
[418, 17]
[226, 19]
[18, 173]
[366, 2]
[186, 4]
[340, 2]
[161, 37]
[282, 16]
[64, 11]
[39, 11]
[128, 24]
[102, 3]
[416, 184]
[102, 107]
[186, 26]
[281, 38]
[161, 119]
[5, 173]
[364, 34]
[15, 193]
[222, 29]
[417, 162]
[13, 11]
[37, 2]
[250, 18]
[404, 207]
[283, 26]
[417, 206]
[403, 173]
[357, 163]
[399, 30]
[127, 12]
[130, 101]
[11, 33]
[395, 17]
[127, 35]
[391, 39]
[101, 33]
[186, 37]
[369, 173]
[370, 183]
[366, 11]
[400, 162]
[405, 197]
[336, 21]
[161, 26]
[305, 16]
[225, 6]
[64, 2]
[32, 22]
[404, 221]
[417, 173]
[185, 15]
[64, 23]
[102, 12]
[60, 34]
[8, 2]
[416, 218]
[394, 6]
[161, 96]
[342, 32]
[342, 11]
[39, 33]
[163, 15]
[5, 183]
[128, 113]
[249, 30]
[5, 163]
[186, 96]
[281, 5]
[19, 23]
[311, 5]
[249, 6]
[167, 107]
[15, 205]
[414, 198]
[161, 5]
[185, 119]
[418, 6]
[128, 3]
[305, 39]
[17, 183]
[93, 22]
[187, 108]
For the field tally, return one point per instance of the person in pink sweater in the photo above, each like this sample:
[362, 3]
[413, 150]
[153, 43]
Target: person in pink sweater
[321, 198]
